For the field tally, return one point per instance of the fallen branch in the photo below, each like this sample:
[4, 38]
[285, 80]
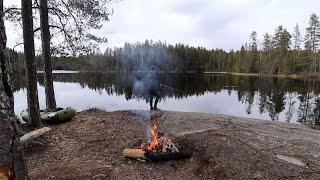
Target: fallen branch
[34, 134]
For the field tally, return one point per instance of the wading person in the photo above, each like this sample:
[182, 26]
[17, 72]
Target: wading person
[153, 85]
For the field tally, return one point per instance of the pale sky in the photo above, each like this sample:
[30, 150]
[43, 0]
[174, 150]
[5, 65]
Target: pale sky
[210, 23]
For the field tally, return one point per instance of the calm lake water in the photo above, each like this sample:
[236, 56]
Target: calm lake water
[278, 99]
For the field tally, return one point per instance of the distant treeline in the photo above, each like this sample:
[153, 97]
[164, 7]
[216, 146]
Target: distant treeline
[58, 63]
[278, 53]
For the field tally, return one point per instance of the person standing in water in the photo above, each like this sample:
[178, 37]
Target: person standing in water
[153, 84]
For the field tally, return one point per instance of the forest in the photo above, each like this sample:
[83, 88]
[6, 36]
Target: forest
[37, 141]
[280, 52]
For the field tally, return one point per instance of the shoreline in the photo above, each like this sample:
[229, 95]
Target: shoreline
[223, 147]
[292, 76]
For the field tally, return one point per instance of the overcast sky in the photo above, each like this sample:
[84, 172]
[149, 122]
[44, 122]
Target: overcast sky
[211, 23]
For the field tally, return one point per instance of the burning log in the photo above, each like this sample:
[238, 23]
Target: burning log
[153, 155]
[159, 144]
[159, 149]
[134, 153]
[163, 157]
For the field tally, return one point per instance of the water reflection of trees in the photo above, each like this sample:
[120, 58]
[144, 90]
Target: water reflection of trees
[271, 95]
[317, 111]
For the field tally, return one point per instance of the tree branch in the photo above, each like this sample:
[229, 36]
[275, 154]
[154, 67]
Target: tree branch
[9, 9]
[16, 46]
[70, 12]
[37, 29]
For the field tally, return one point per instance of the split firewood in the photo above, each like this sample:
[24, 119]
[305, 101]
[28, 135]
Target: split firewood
[134, 153]
[34, 134]
[160, 148]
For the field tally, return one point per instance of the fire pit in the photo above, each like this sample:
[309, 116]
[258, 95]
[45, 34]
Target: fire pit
[161, 148]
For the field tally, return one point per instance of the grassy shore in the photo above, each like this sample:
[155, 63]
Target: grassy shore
[90, 147]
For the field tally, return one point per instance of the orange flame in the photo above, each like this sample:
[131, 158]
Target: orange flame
[154, 141]
[159, 144]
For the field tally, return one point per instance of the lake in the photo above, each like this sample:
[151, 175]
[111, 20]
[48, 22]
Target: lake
[278, 99]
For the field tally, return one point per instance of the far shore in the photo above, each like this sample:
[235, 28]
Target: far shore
[293, 76]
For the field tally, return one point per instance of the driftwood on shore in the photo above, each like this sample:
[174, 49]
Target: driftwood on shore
[34, 134]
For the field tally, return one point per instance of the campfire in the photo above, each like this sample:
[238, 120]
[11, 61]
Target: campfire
[161, 144]
[160, 148]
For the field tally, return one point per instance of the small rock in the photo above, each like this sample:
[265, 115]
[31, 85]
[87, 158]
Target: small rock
[100, 176]
[290, 160]
[257, 175]
[317, 155]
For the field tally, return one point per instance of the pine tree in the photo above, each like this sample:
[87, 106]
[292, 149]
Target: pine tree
[312, 39]
[297, 40]
[253, 41]
[282, 40]
[253, 51]
[267, 49]
[281, 45]
[46, 55]
[267, 45]
[28, 38]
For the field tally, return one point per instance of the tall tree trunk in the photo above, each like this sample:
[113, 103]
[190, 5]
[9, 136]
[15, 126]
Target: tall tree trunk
[28, 39]
[315, 62]
[46, 55]
[295, 52]
[12, 164]
[314, 52]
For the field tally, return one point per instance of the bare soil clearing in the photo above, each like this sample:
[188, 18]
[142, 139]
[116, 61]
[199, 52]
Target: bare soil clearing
[224, 147]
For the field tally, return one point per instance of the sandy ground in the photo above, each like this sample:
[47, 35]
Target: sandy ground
[223, 147]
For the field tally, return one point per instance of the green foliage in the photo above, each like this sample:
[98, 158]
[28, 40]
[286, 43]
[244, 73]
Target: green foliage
[72, 24]
[68, 63]
[312, 38]
[281, 53]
